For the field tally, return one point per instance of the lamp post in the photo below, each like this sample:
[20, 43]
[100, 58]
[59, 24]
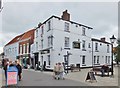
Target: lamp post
[112, 39]
[68, 59]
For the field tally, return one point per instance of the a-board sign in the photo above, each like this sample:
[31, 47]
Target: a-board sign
[90, 76]
[12, 75]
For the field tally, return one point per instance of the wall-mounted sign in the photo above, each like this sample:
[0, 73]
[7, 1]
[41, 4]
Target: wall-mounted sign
[76, 45]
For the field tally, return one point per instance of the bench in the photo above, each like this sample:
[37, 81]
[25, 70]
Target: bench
[98, 69]
[75, 68]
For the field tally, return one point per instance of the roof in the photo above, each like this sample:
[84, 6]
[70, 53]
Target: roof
[66, 20]
[93, 39]
[21, 37]
[27, 34]
[16, 39]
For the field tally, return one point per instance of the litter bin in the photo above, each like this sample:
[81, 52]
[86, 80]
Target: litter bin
[12, 76]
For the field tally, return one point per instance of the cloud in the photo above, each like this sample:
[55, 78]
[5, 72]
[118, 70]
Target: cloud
[18, 17]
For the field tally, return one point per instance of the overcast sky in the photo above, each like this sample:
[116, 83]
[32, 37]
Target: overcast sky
[18, 17]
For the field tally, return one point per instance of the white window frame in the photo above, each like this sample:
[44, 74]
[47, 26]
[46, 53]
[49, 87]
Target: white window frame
[20, 49]
[98, 59]
[23, 48]
[67, 42]
[96, 46]
[83, 31]
[67, 28]
[49, 62]
[49, 25]
[83, 60]
[27, 47]
[108, 48]
[83, 44]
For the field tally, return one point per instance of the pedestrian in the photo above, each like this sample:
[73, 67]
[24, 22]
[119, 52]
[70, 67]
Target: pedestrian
[56, 71]
[6, 66]
[19, 67]
[64, 67]
[61, 71]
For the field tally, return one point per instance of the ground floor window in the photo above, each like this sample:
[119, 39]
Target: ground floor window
[83, 59]
[48, 59]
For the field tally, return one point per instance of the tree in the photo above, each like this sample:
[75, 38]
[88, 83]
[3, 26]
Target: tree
[116, 52]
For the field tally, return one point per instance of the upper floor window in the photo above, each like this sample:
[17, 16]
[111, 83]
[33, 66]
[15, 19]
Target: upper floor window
[23, 48]
[36, 45]
[42, 29]
[50, 41]
[20, 49]
[89, 45]
[96, 46]
[27, 47]
[36, 33]
[42, 43]
[49, 25]
[83, 44]
[94, 59]
[83, 31]
[66, 26]
[108, 49]
[66, 41]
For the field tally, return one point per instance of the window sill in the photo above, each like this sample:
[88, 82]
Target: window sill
[83, 64]
[67, 31]
[96, 51]
[97, 64]
[83, 49]
[67, 48]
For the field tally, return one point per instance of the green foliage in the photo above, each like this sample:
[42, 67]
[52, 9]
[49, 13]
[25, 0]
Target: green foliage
[117, 53]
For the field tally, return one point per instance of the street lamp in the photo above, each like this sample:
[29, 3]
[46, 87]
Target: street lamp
[112, 39]
[68, 53]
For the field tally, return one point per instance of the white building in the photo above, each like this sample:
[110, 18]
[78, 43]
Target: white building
[61, 40]
[101, 52]
[11, 49]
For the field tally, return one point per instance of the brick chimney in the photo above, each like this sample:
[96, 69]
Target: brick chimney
[103, 39]
[66, 16]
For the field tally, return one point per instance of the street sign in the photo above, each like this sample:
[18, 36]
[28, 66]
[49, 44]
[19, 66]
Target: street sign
[91, 76]
[12, 76]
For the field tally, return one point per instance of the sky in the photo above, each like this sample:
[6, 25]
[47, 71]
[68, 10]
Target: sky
[18, 17]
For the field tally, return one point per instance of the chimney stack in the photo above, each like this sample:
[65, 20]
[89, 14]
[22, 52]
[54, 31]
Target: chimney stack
[66, 16]
[103, 39]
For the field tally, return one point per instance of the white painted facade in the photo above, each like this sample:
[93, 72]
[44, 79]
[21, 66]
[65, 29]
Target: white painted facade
[11, 51]
[101, 53]
[57, 50]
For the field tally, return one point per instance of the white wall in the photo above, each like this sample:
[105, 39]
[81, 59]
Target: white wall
[57, 51]
[11, 54]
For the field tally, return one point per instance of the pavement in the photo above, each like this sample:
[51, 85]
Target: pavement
[71, 79]
[80, 76]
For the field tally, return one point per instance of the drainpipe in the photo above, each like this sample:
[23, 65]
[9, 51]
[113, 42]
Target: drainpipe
[92, 54]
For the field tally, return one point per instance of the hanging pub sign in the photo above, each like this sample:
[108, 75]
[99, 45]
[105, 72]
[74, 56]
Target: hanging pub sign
[76, 45]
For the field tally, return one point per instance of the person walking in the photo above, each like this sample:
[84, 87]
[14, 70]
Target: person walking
[61, 71]
[56, 71]
[6, 66]
[19, 67]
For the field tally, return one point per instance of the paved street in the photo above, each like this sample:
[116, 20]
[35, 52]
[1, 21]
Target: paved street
[37, 78]
[32, 78]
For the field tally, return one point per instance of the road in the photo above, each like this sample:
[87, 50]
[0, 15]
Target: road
[35, 78]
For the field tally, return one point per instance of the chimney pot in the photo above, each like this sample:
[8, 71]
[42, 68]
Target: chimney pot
[66, 16]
